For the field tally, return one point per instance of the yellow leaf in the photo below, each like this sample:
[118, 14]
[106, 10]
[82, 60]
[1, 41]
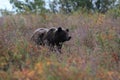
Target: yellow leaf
[39, 68]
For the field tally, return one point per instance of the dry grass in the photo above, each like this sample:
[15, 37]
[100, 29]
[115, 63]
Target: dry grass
[93, 53]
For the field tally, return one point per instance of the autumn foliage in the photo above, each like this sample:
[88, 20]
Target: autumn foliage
[93, 53]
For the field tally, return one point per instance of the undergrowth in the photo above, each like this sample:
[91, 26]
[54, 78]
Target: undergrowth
[93, 53]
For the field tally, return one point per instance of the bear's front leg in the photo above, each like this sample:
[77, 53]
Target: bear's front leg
[59, 46]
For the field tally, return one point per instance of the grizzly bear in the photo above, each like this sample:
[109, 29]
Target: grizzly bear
[51, 37]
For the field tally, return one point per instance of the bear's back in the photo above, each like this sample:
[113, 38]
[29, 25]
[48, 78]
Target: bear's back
[41, 30]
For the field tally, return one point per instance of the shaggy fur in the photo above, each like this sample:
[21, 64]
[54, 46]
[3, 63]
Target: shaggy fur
[51, 37]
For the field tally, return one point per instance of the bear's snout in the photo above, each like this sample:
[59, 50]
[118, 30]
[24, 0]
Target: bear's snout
[69, 38]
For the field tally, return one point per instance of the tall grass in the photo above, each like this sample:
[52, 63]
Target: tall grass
[91, 54]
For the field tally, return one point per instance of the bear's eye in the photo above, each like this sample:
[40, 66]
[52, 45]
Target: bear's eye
[67, 30]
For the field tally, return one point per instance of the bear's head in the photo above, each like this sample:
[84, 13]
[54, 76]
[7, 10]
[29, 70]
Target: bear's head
[62, 35]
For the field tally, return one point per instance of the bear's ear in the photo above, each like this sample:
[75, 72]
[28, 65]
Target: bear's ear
[67, 30]
[59, 29]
